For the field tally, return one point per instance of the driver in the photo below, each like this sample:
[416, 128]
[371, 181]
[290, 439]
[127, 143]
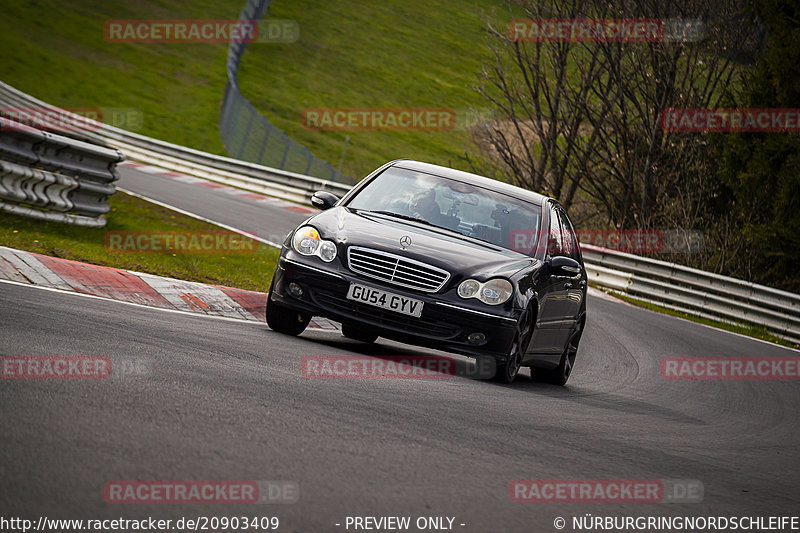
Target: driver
[423, 205]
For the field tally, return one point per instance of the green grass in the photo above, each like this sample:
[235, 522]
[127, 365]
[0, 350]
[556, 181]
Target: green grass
[251, 271]
[749, 330]
[57, 52]
[394, 53]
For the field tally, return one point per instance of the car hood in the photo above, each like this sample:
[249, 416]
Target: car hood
[429, 245]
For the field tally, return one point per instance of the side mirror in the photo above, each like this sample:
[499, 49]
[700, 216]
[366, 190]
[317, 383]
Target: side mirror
[564, 266]
[323, 200]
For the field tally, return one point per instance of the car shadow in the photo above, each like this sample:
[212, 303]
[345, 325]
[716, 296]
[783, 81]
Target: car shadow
[466, 368]
[591, 398]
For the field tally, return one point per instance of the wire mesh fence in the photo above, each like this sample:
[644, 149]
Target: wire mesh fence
[250, 136]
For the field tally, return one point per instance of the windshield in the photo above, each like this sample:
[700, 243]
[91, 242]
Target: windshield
[453, 205]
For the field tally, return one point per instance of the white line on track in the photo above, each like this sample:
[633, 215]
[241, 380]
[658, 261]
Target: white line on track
[204, 219]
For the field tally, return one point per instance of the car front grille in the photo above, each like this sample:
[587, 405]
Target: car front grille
[396, 270]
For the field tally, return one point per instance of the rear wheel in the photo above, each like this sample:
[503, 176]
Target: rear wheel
[285, 319]
[507, 371]
[560, 375]
[358, 333]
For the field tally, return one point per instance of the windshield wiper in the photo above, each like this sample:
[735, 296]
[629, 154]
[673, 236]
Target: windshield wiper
[402, 216]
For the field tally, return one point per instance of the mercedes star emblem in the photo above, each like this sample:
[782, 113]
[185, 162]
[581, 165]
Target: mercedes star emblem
[405, 241]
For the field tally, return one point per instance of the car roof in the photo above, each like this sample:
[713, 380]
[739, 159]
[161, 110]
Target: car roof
[472, 179]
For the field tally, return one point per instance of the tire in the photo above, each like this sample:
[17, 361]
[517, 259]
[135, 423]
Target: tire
[358, 333]
[284, 319]
[560, 375]
[507, 372]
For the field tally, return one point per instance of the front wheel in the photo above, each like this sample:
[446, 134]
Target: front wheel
[284, 319]
[507, 371]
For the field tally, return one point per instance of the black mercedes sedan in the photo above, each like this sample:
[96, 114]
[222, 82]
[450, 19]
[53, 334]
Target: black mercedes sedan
[444, 259]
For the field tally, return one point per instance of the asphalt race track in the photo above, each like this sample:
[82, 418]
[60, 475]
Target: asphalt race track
[217, 399]
[241, 213]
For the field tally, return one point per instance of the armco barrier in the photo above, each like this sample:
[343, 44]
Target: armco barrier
[686, 289]
[250, 176]
[56, 178]
[694, 291]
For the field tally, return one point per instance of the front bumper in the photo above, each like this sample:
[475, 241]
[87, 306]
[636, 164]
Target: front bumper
[443, 325]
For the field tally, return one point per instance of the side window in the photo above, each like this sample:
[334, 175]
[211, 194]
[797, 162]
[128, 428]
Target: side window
[555, 241]
[571, 245]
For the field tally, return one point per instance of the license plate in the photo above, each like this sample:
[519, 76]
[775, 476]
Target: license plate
[385, 300]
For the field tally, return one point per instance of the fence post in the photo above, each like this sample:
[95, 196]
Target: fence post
[247, 133]
[235, 118]
[286, 151]
[310, 160]
[264, 144]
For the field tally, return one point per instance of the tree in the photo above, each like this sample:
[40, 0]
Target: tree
[759, 173]
[583, 117]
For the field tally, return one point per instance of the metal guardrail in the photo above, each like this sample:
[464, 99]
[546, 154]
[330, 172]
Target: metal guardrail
[55, 178]
[249, 135]
[279, 183]
[688, 290]
[694, 291]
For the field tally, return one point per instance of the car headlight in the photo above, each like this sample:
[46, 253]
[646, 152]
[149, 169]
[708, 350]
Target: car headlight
[493, 292]
[469, 288]
[327, 251]
[306, 241]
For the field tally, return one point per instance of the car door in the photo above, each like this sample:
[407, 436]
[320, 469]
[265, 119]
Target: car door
[575, 286]
[550, 335]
